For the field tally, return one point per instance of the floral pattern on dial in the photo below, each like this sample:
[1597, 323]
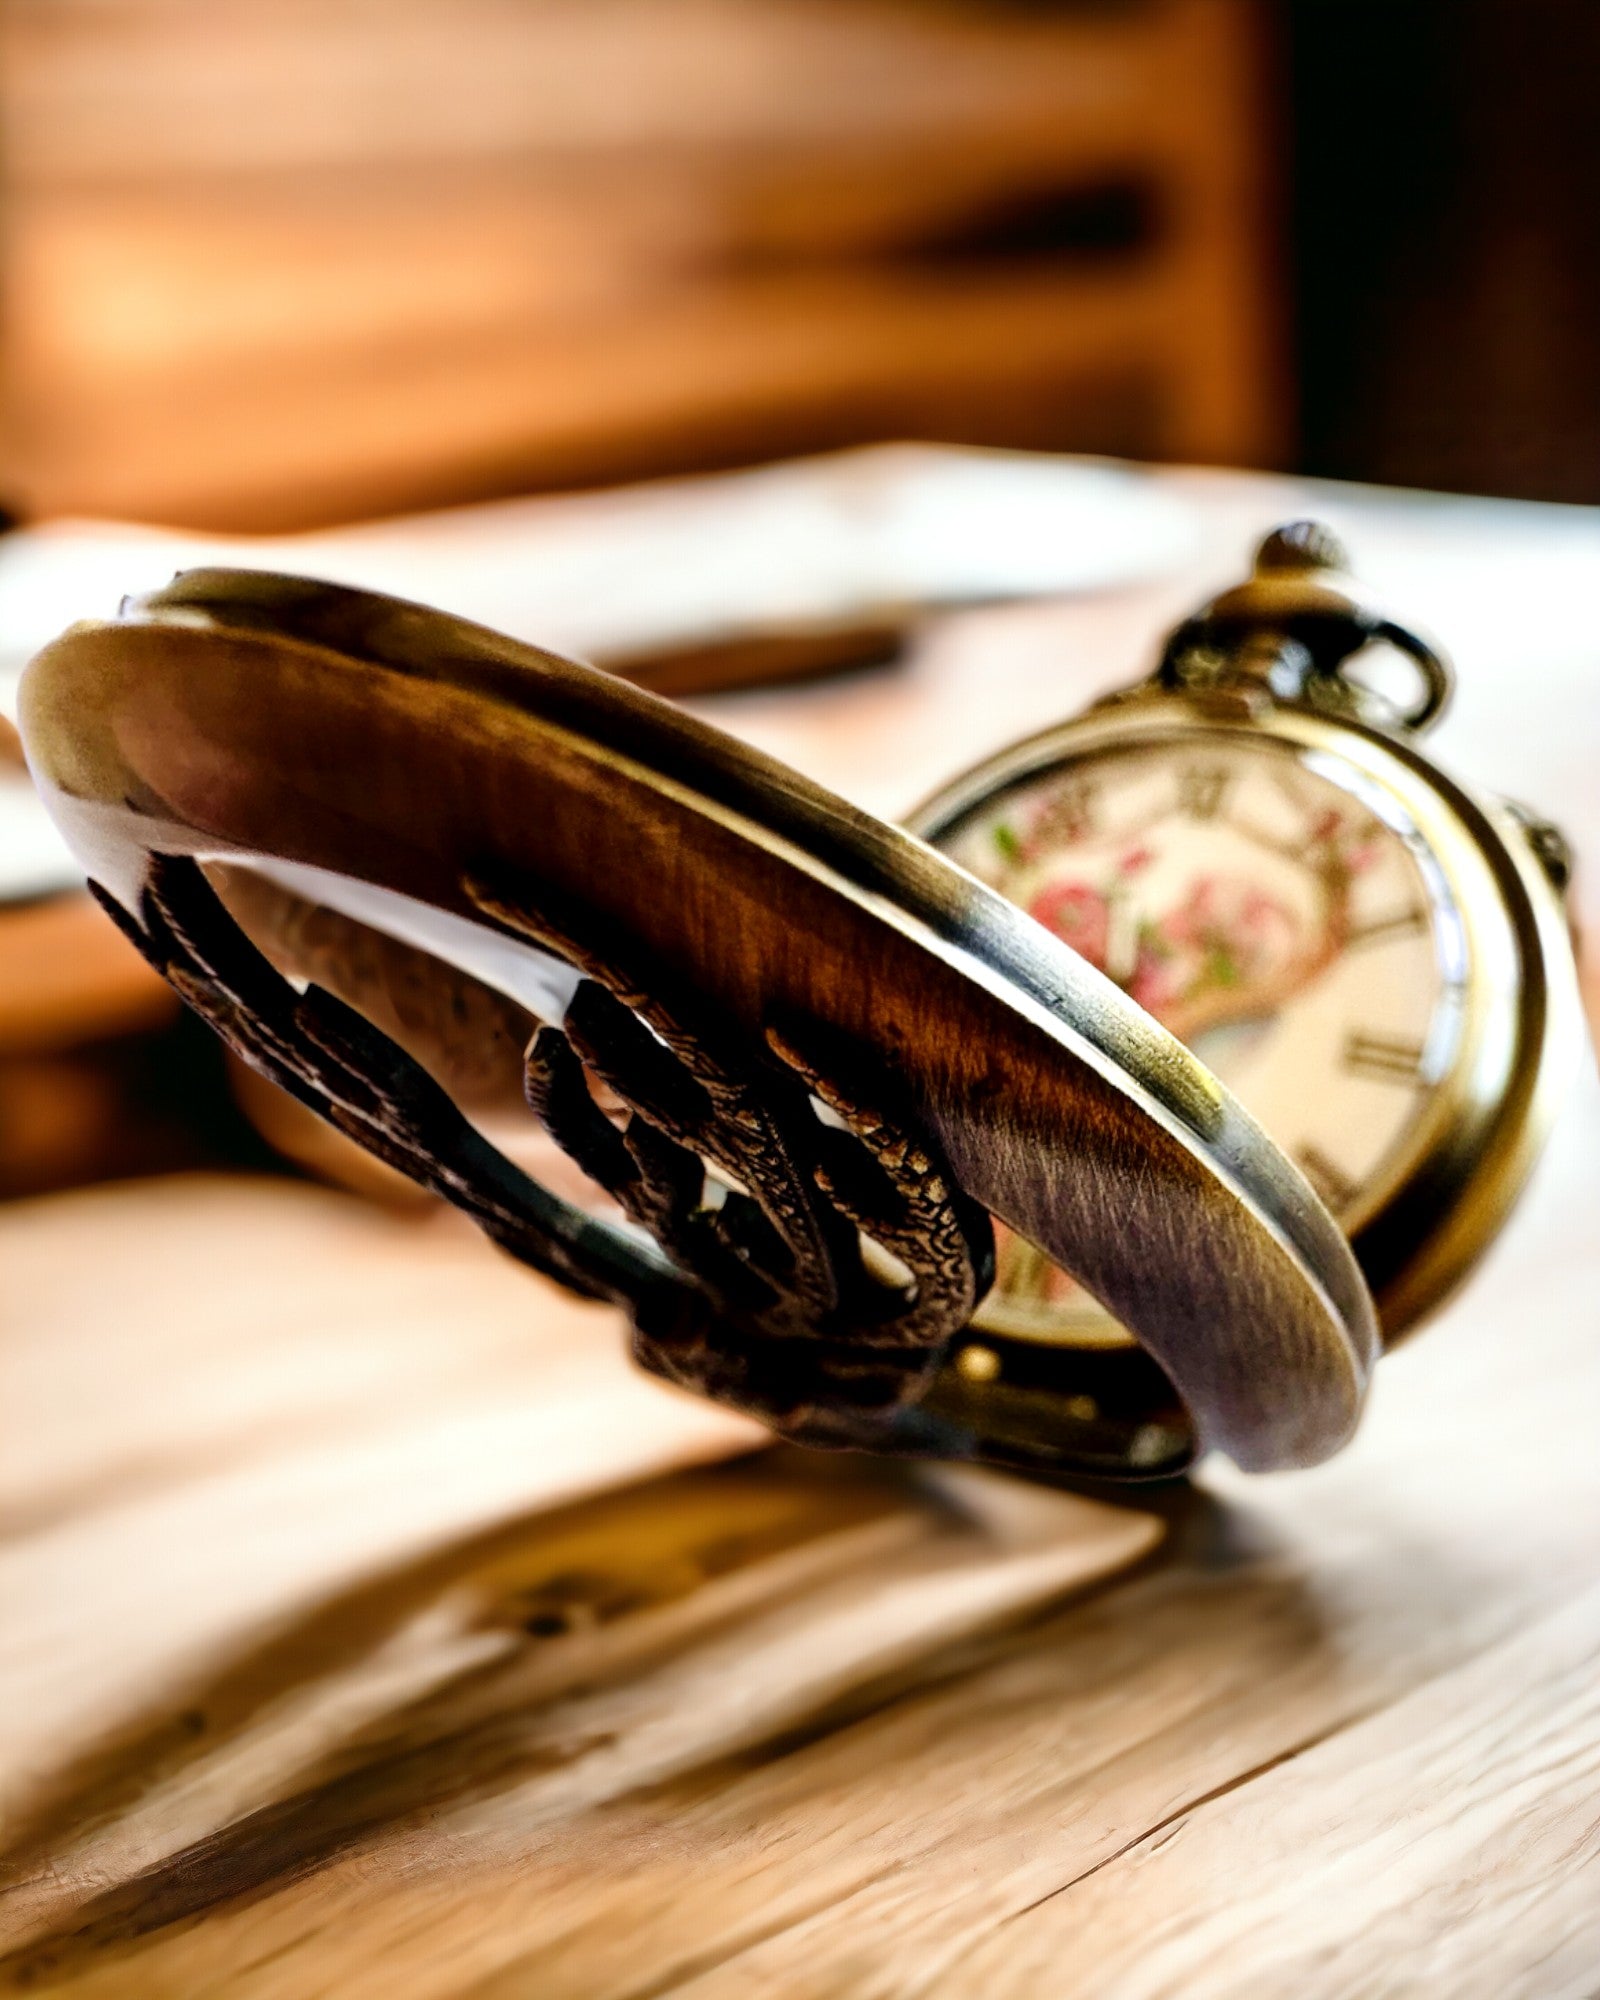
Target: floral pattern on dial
[1259, 905]
[1225, 946]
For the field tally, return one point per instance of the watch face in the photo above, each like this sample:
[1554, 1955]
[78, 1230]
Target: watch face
[1278, 911]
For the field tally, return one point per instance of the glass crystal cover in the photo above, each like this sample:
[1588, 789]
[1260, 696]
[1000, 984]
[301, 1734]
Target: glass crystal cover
[1273, 907]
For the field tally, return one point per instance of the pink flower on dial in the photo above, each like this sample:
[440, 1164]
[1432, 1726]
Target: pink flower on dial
[1079, 916]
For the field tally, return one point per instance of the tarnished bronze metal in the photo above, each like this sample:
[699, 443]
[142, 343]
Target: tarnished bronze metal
[800, 1056]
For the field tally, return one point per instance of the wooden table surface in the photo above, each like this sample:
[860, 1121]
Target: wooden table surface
[368, 1627]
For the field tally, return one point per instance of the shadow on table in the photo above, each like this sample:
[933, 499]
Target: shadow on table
[697, 1624]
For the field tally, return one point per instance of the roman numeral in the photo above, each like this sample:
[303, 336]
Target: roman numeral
[1385, 1058]
[1413, 919]
[1202, 788]
[1331, 1182]
[1070, 812]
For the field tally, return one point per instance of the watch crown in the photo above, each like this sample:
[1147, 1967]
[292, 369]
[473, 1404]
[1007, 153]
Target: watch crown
[1302, 545]
[1551, 848]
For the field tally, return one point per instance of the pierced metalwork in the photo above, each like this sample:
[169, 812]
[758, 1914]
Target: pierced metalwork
[812, 1277]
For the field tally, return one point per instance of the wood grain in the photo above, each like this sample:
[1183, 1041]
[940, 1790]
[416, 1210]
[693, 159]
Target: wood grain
[369, 1629]
[410, 1596]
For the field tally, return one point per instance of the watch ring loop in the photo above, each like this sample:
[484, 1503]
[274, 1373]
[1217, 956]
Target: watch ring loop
[1438, 682]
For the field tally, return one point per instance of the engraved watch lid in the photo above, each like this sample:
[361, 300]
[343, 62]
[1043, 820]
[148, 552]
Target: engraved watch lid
[859, 1039]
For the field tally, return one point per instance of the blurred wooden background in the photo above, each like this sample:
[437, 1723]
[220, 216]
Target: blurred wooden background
[272, 262]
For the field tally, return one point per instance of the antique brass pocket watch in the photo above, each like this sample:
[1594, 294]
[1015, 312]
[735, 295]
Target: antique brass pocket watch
[807, 1068]
[1254, 845]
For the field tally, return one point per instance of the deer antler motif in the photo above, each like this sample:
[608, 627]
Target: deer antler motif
[808, 1266]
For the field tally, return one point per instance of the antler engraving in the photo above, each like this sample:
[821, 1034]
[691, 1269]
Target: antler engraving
[792, 1245]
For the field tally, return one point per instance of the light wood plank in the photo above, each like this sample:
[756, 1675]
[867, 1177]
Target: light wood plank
[387, 1434]
[1447, 1845]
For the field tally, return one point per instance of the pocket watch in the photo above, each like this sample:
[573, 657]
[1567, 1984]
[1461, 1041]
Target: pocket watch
[1255, 846]
[807, 1069]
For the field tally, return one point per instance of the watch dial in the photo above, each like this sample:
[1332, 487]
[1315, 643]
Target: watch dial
[1277, 911]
